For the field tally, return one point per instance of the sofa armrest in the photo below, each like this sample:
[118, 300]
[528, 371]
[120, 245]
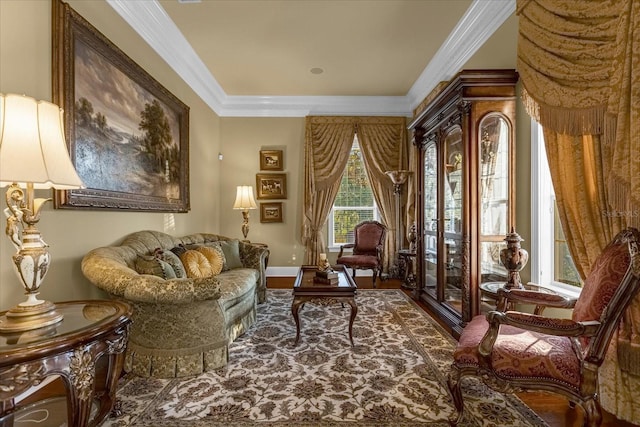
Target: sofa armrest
[103, 268]
[255, 256]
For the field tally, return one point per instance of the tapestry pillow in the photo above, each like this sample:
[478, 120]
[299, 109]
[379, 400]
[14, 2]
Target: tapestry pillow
[173, 260]
[196, 264]
[231, 249]
[149, 264]
[179, 250]
[214, 256]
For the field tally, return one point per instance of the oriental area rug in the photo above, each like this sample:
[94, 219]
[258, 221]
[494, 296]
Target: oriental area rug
[395, 375]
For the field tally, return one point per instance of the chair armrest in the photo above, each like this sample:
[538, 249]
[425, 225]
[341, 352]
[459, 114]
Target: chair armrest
[347, 246]
[543, 299]
[535, 323]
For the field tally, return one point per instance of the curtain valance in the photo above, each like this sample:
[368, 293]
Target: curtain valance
[565, 53]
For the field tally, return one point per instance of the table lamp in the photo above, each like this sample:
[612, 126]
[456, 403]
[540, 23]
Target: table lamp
[245, 201]
[33, 155]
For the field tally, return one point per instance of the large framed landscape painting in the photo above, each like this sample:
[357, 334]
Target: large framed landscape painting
[127, 135]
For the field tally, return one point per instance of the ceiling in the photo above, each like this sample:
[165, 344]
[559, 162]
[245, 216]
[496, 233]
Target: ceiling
[293, 58]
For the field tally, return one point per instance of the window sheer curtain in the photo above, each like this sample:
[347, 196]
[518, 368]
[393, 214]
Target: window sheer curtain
[328, 141]
[579, 65]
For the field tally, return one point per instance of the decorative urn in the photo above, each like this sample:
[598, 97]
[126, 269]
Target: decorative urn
[514, 258]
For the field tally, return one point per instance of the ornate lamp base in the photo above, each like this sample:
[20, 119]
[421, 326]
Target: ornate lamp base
[27, 317]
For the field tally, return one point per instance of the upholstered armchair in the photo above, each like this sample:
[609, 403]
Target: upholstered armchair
[368, 249]
[513, 351]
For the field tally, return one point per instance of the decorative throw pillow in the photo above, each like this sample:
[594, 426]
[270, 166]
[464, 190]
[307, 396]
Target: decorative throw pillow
[173, 260]
[214, 256]
[217, 247]
[231, 249]
[149, 264]
[179, 250]
[196, 264]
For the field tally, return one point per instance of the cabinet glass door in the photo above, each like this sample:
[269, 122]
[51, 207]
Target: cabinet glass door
[452, 218]
[494, 184]
[430, 219]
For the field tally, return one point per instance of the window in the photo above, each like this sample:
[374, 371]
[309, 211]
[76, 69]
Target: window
[551, 262]
[354, 202]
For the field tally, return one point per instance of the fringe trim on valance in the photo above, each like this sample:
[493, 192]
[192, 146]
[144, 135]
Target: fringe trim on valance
[568, 121]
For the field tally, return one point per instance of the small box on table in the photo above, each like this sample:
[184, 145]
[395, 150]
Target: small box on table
[328, 277]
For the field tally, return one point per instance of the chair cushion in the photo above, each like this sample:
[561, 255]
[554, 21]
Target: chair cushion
[368, 237]
[518, 353]
[362, 261]
[599, 287]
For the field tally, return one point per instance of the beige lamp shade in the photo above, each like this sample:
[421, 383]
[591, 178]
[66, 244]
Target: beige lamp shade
[244, 198]
[32, 145]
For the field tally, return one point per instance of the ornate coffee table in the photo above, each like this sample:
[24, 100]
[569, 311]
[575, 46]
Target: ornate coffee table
[305, 290]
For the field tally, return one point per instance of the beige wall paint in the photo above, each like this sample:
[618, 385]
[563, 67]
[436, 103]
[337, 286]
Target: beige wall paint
[25, 67]
[242, 139]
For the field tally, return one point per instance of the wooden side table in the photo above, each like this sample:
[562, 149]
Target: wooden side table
[490, 290]
[90, 330]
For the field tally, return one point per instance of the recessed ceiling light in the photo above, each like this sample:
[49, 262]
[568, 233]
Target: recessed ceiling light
[189, 1]
[316, 70]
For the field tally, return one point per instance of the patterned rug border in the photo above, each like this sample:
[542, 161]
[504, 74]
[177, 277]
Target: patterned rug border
[147, 418]
[512, 398]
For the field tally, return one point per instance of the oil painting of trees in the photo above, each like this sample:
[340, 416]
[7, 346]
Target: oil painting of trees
[128, 136]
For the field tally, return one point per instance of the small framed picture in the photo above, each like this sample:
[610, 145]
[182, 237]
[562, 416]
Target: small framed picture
[271, 185]
[271, 212]
[271, 160]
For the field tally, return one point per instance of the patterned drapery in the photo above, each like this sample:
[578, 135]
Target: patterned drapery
[328, 141]
[579, 65]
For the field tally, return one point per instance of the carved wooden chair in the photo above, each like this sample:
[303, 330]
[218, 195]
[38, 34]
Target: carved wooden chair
[368, 249]
[513, 351]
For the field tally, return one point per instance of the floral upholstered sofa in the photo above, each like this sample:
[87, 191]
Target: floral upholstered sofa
[186, 309]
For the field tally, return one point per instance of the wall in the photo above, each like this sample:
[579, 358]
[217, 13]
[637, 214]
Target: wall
[242, 139]
[25, 68]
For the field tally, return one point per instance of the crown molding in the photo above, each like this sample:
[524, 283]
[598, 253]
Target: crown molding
[475, 27]
[152, 23]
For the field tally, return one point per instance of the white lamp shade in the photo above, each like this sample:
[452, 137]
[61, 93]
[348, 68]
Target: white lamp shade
[244, 198]
[32, 145]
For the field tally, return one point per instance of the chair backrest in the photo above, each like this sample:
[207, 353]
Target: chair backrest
[609, 288]
[368, 236]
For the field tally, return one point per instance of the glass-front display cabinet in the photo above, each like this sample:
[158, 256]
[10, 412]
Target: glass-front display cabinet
[465, 142]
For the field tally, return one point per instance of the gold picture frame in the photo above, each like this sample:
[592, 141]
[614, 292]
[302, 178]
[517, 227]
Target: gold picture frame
[114, 145]
[271, 185]
[271, 212]
[271, 160]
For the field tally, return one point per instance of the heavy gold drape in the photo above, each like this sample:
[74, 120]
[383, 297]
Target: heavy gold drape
[579, 64]
[328, 141]
[383, 142]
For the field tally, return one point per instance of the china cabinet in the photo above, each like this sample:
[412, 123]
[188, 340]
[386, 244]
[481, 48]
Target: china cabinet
[465, 178]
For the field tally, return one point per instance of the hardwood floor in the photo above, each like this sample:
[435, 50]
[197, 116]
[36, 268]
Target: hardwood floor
[554, 410]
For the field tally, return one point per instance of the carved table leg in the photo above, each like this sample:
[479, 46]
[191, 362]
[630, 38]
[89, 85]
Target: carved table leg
[354, 311]
[295, 307]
